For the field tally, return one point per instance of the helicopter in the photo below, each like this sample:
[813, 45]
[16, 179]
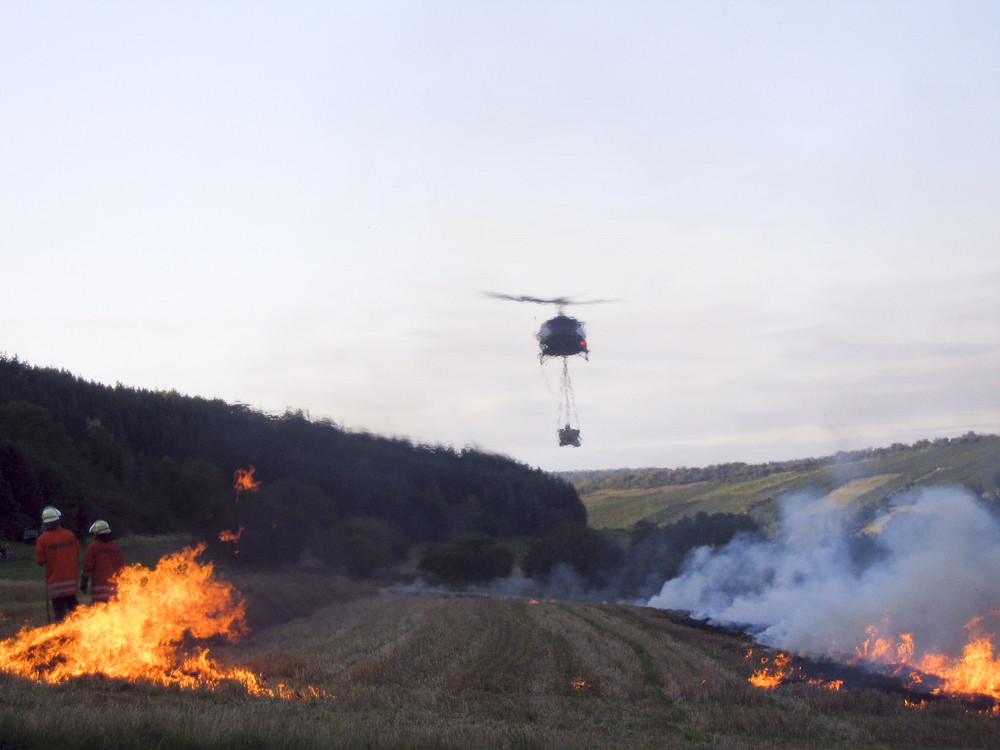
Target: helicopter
[561, 336]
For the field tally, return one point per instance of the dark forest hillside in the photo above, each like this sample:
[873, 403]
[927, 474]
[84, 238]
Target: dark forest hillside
[161, 462]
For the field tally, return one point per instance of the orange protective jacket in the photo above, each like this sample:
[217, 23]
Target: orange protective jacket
[101, 563]
[59, 551]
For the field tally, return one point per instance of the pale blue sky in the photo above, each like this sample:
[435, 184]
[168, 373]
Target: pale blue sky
[299, 205]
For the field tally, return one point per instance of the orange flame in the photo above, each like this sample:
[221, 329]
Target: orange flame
[774, 674]
[243, 480]
[832, 685]
[975, 672]
[231, 536]
[881, 649]
[781, 670]
[141, 634]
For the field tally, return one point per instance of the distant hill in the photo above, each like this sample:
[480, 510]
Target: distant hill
[619, 499]
[161, 462]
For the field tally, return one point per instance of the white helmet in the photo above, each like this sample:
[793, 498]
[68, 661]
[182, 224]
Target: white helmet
[99, 527]
[50, 514]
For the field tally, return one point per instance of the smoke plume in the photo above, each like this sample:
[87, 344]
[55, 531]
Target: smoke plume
[930, 564]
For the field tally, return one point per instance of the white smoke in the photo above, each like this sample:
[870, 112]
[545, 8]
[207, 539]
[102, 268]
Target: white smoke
[938, 568]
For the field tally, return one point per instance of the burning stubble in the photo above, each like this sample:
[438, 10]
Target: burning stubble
[146, 633]
[924, 604]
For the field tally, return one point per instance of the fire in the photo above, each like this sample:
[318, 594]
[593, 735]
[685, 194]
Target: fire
[975, 673]
[231, 536]
[832, 685]
[243, 480]
[886, 650]
[144, 634]
[773, 674]
[779, 670]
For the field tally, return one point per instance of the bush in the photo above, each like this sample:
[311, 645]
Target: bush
[360, 546]
[468, 559]
[587, 550]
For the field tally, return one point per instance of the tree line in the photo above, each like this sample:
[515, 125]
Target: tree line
[155, 462]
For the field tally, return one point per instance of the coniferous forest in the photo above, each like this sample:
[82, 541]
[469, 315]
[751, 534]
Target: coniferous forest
[161, 462]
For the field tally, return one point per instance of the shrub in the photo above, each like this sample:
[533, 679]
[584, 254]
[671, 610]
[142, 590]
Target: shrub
[587, 550]
[360, 546]
[468, 559]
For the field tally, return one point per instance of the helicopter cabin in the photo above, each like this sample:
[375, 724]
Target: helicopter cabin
[562, 336]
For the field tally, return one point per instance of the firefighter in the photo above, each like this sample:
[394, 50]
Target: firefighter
[58, 550]
[101, 563]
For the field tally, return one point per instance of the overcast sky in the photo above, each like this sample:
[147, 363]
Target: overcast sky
[795, 206]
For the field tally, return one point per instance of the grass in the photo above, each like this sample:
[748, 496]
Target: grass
[621, 509]
[451, 672]
[864, 483]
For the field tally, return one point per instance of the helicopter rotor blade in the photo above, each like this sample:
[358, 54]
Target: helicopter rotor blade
[526, 298]
[560, 301]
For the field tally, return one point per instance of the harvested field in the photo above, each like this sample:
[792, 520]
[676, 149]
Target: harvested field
[459, 672]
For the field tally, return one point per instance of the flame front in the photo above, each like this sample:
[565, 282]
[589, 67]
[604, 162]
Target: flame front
[975, 672]
[141, 634]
